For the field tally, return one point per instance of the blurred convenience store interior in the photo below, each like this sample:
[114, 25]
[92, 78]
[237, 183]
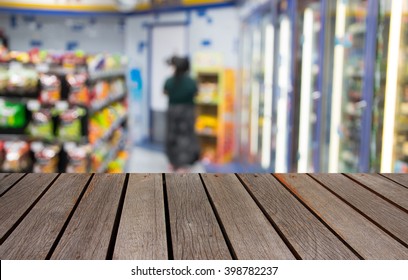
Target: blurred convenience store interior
[283, 85]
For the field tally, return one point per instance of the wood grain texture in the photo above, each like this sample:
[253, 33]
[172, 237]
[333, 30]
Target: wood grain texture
[88, 234]
[309, 237]
[142, 228]
[401, 179]
[250, 233]
[18, 200]
[195, 232]
[2, 175]
[361, 234]
[388, 189]
[8, 180]
[380, 211]
[35, 235]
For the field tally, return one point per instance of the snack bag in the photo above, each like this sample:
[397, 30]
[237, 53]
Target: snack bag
[79, 93]
[16, 156]
[46, 157]
[41, 125]
[50, 89]
[12, 115]
[78, 158]
[70, 127]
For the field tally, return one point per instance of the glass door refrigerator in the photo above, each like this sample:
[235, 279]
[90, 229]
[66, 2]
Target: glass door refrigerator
[390, 143]
[308, 84]
[245, 91]
[348, 95]
[282, 108]
[265, 100]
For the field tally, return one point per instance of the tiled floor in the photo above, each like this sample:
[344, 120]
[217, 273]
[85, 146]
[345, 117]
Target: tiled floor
[151, 160]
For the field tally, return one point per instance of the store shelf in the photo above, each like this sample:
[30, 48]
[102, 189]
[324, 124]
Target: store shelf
[28, 138]
[206, 134]
[116, 125]
[18, 99]
[102, 105]
[112, 155]
[201, 103]
[98, 75]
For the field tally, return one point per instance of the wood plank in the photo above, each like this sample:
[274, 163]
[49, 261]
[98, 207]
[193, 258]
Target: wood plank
[16, 202]
[195, 232]
[8, 180]
[2, 175]
[401, 179]
[250, 233]
[88, 234]
[34, 237]
[142, 228]
[362, 235]
[388, 189]
[388, 216]
[314, 241]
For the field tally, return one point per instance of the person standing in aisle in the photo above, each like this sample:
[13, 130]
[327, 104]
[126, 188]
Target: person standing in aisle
[182, 147]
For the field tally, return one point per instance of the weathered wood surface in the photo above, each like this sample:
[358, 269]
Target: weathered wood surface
[251, 235]
[8, 180]
[195, 232]
[203, 216]
[391, 191]
[18, 201]
[309, 237]
[88, 234]
[386, 215]
[45, 221]
[142, 228]
[368, 240]
[401, 179]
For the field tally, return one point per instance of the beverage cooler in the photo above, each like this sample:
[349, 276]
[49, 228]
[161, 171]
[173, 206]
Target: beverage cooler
[308, 85]
[390, 132]
[355, 35]
[255, 106]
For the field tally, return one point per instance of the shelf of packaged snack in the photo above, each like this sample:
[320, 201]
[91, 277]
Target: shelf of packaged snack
[100, 105]
[116, 125]
[112, 154]
[106, 74]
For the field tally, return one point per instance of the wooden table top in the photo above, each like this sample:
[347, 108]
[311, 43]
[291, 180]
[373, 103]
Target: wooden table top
[203, 216]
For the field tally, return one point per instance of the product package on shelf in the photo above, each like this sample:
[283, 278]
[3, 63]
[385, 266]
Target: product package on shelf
[50, 89]
[41, 125]
[70, 124]
[118, 165]
[104, 121]
[78, 158]
[22, 80]
[12, 115]
[46, 157]
[17, 157]
[79, 92]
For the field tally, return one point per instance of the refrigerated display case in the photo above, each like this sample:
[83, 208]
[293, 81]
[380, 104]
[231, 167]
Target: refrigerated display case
[309, 49]
[394, 129]
[283, 89]
[347, 101]
[244, 92]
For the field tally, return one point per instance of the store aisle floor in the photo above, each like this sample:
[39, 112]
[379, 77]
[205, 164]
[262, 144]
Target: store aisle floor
[151, 160]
